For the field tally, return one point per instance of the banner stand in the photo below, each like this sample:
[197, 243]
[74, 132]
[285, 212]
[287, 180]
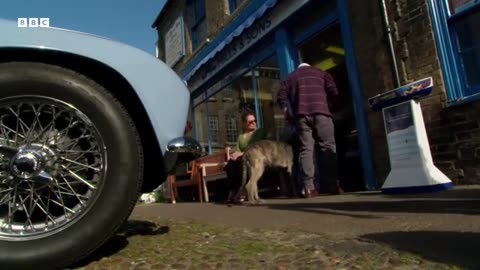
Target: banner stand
[411, 162]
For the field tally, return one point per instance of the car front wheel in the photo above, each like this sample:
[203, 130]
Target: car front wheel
[70, 166]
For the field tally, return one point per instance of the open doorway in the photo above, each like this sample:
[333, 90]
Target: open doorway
[325, 51]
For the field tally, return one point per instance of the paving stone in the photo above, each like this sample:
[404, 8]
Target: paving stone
[159, 266]
[185, 247]
[205, 266]
[141, 266]
[179, 266]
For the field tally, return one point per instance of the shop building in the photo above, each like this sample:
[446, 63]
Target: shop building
[232, 54]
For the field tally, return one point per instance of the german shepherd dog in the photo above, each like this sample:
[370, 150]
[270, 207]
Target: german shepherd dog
[260, 155]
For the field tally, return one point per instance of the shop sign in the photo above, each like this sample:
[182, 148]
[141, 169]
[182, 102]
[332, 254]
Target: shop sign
[175, 42]
[247, 39]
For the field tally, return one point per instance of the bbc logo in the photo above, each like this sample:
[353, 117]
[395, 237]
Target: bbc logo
[33, 22]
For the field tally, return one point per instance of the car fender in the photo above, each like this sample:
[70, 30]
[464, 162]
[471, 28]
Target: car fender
[163, 94]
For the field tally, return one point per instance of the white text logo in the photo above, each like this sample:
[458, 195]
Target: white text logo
[33, 22]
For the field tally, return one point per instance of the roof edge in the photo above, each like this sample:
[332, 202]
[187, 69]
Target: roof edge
[160, 14]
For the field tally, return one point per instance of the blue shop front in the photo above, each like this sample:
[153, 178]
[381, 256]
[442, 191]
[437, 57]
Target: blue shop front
[241, 67]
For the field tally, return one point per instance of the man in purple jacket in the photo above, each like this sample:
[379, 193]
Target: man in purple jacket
[310, 91]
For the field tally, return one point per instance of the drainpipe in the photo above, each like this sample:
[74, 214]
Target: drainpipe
[390, 42]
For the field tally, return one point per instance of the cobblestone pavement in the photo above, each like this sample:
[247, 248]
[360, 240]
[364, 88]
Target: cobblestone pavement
[182, 244]
[352, 231]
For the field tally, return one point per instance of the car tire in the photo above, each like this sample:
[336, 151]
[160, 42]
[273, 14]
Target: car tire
[79, 166]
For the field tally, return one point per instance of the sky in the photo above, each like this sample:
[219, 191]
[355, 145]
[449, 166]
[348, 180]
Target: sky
[128, 21]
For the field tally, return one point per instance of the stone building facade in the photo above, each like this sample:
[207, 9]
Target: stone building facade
[423, 39]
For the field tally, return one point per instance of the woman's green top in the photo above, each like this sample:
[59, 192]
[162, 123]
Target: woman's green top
[257, 135]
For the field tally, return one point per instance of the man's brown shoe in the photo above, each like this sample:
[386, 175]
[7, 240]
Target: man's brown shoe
[310, 193]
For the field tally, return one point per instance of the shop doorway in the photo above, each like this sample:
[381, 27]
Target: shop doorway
[325, 50]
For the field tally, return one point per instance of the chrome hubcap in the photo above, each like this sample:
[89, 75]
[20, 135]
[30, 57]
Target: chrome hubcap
[26, 164]
[52, 165]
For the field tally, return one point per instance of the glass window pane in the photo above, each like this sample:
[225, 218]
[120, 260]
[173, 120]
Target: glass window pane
[225, 109]
[304, 21]
[231, 128]
[202, 30]
[199, 34]
[191, 12]
[457, 5]
[233, 4]
[467, 31]
[214, 130]
[200, 128]
[199, 9]
[471, 66]
[468, 42]
[268, 81]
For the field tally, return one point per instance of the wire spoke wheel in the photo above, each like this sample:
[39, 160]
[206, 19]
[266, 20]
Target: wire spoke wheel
[60, 197]
[52, 164]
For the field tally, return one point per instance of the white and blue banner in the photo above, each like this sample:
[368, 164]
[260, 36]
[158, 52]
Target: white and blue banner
[401, 135]
[412, 168]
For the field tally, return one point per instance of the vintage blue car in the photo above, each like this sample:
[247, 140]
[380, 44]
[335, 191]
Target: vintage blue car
[86, 124]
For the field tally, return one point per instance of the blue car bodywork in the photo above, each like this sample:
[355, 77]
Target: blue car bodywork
[86, 125]
[161, 93]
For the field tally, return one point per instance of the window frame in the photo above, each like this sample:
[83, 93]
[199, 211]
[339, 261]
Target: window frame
[452, 20]
[444, 21]
[196, 12]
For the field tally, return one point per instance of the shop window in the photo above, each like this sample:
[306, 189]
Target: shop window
[233, 5]
[457, 28]
[229, 101]
[280, 127]
[267, 75]
[231, 128]
[225, 108]
[213, 126]
[197, 22]
[200, 127]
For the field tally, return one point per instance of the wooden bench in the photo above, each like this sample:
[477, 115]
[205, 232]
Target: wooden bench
[212, 169]
[193, 180]
[204, 169]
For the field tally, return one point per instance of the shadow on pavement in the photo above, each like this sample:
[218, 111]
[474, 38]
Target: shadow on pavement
[457, 193]
[318, 208]
[450, 206]
[120, 240]
[140, 227]
[460, 249]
